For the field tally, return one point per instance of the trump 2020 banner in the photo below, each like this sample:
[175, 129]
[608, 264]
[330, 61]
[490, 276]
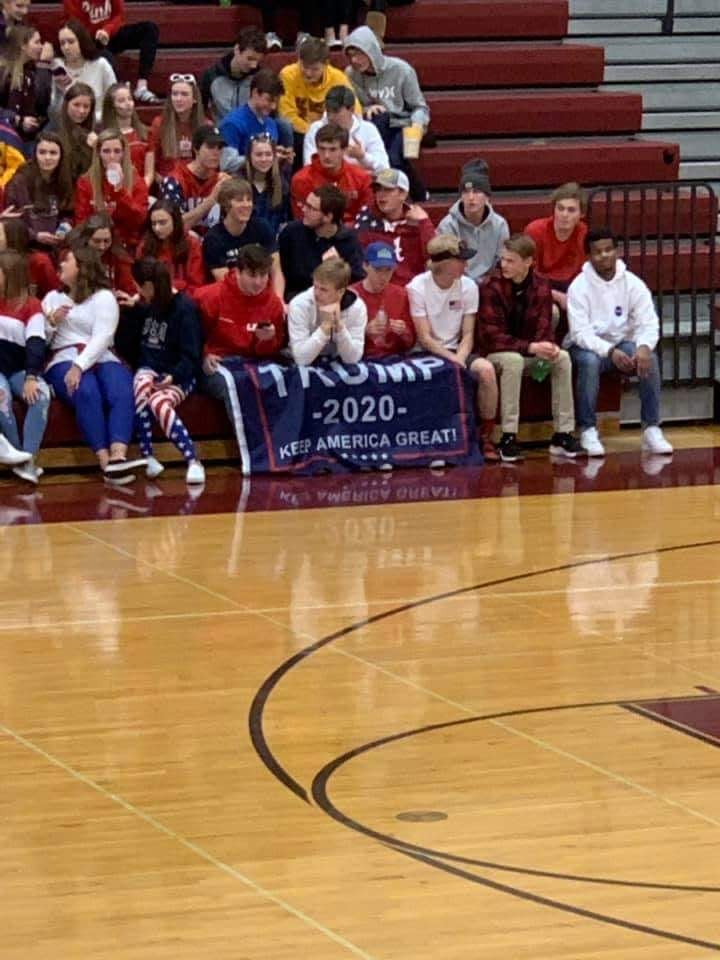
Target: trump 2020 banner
[405, 411]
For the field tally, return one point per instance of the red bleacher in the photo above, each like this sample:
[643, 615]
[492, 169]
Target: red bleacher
[501, 85]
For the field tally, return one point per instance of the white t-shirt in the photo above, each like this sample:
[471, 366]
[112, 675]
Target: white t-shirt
[85, 336]
[444, 309]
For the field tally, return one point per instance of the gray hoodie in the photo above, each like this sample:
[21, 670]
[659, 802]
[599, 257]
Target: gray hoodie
[394, 83]
[487, 238]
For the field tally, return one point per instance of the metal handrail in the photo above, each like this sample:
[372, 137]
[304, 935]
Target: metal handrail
[668, 21]
[667, 235]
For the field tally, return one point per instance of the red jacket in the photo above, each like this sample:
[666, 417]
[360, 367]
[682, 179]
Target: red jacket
[493, 333]
[230, 318]
[354, 182]
[107, 15]
[128, 209]
[394, 301]
[409, 238]
[188, 275]
[119, 271]
[43, 275]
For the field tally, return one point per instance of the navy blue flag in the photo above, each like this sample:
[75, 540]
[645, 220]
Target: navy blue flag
[405, 411]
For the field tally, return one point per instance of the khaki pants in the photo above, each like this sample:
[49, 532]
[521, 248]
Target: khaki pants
[511, 367]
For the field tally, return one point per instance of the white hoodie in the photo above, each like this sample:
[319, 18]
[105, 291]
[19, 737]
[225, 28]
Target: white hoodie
[307, 338]
[602, 313]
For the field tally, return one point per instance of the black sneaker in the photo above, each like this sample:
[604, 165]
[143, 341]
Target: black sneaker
[508, 448]
[566, 445]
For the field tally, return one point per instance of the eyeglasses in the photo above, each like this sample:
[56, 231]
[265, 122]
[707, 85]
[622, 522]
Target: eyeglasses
[182, 78]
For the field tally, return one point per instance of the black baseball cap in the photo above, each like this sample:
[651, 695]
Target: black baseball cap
[210, 136]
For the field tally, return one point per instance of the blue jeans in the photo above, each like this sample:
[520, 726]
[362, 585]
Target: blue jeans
[103, 403]
[35, 418]
[589, 366]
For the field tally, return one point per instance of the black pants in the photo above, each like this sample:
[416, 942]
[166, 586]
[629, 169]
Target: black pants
[137, 36]
[268, 9]
[334, 12]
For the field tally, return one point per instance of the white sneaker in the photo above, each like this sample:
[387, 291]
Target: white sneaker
[28, 471]
[154, 468]
[653, 441]
[273, 41]
[195, 472]
[590, 442]
[9, 456]
[300, 40]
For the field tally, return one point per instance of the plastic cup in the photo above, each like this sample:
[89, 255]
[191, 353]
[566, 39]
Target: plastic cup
[412, 136]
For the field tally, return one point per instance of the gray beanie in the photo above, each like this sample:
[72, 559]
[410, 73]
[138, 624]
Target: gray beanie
[474, 175]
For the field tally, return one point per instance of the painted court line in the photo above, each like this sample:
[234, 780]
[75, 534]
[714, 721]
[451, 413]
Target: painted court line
[188, 844]
[464, 708]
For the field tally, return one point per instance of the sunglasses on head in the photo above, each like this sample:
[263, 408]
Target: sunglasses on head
[182, 77]
[263, 137]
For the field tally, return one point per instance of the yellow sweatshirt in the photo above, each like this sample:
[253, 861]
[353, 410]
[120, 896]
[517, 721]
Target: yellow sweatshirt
[303, 104]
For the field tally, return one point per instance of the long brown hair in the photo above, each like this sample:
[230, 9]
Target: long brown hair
[96, 174]
[168, 125]
[12, 64]
[109, 114]
[88, 50]
[74, 135]
[92, 275]
[273, 180]
[60, 184]
[81, 235]
[157, 273]
[177, 241]
[13, 267]
[17, 235]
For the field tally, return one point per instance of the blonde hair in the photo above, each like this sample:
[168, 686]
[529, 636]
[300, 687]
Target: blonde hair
[168, 125]
[110, 118]
[96, 173]
[333, 271]
[13, 61]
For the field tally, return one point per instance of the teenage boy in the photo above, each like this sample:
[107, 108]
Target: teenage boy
[238, 228]
[194, 186]
[390, 329]
[391, 219]
[253, 118]
[320, 235]
[390, 94]
[242, 318]
[444, 305]
[328, 319]
[560, 240]
[226, 85]
[473, 220]
[306, 84]
[329, 166]
[514, 332]
[613, 326]
[365, 146]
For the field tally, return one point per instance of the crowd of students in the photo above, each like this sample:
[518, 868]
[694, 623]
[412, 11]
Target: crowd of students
[266, 215]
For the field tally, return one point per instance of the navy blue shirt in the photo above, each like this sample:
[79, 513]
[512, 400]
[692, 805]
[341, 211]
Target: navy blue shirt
[220, 247]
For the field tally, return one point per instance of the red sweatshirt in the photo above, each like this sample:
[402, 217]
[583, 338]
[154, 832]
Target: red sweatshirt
[119, 272]
[354, 182]
[128, 209]
[107, 15]
[409, 238]
[558, 260]
[164, 165]
[394, 301]
[230, 319]
[43, 275]
[187, 276]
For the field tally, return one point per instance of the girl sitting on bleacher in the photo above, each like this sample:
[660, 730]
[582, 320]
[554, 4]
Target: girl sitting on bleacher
[42, 192]
[79, 62]
[112, 186]
[170, 357]
[22, 354]
[83, 369]
[120, 114]
[167, 240]
[97, 232]
[75, 125]
[269, 180]
[24, 89]
[170, 137]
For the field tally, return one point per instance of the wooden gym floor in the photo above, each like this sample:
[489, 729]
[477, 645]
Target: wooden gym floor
[477, 724]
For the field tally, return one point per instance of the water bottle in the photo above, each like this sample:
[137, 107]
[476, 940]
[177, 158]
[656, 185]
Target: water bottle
[540, 369]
